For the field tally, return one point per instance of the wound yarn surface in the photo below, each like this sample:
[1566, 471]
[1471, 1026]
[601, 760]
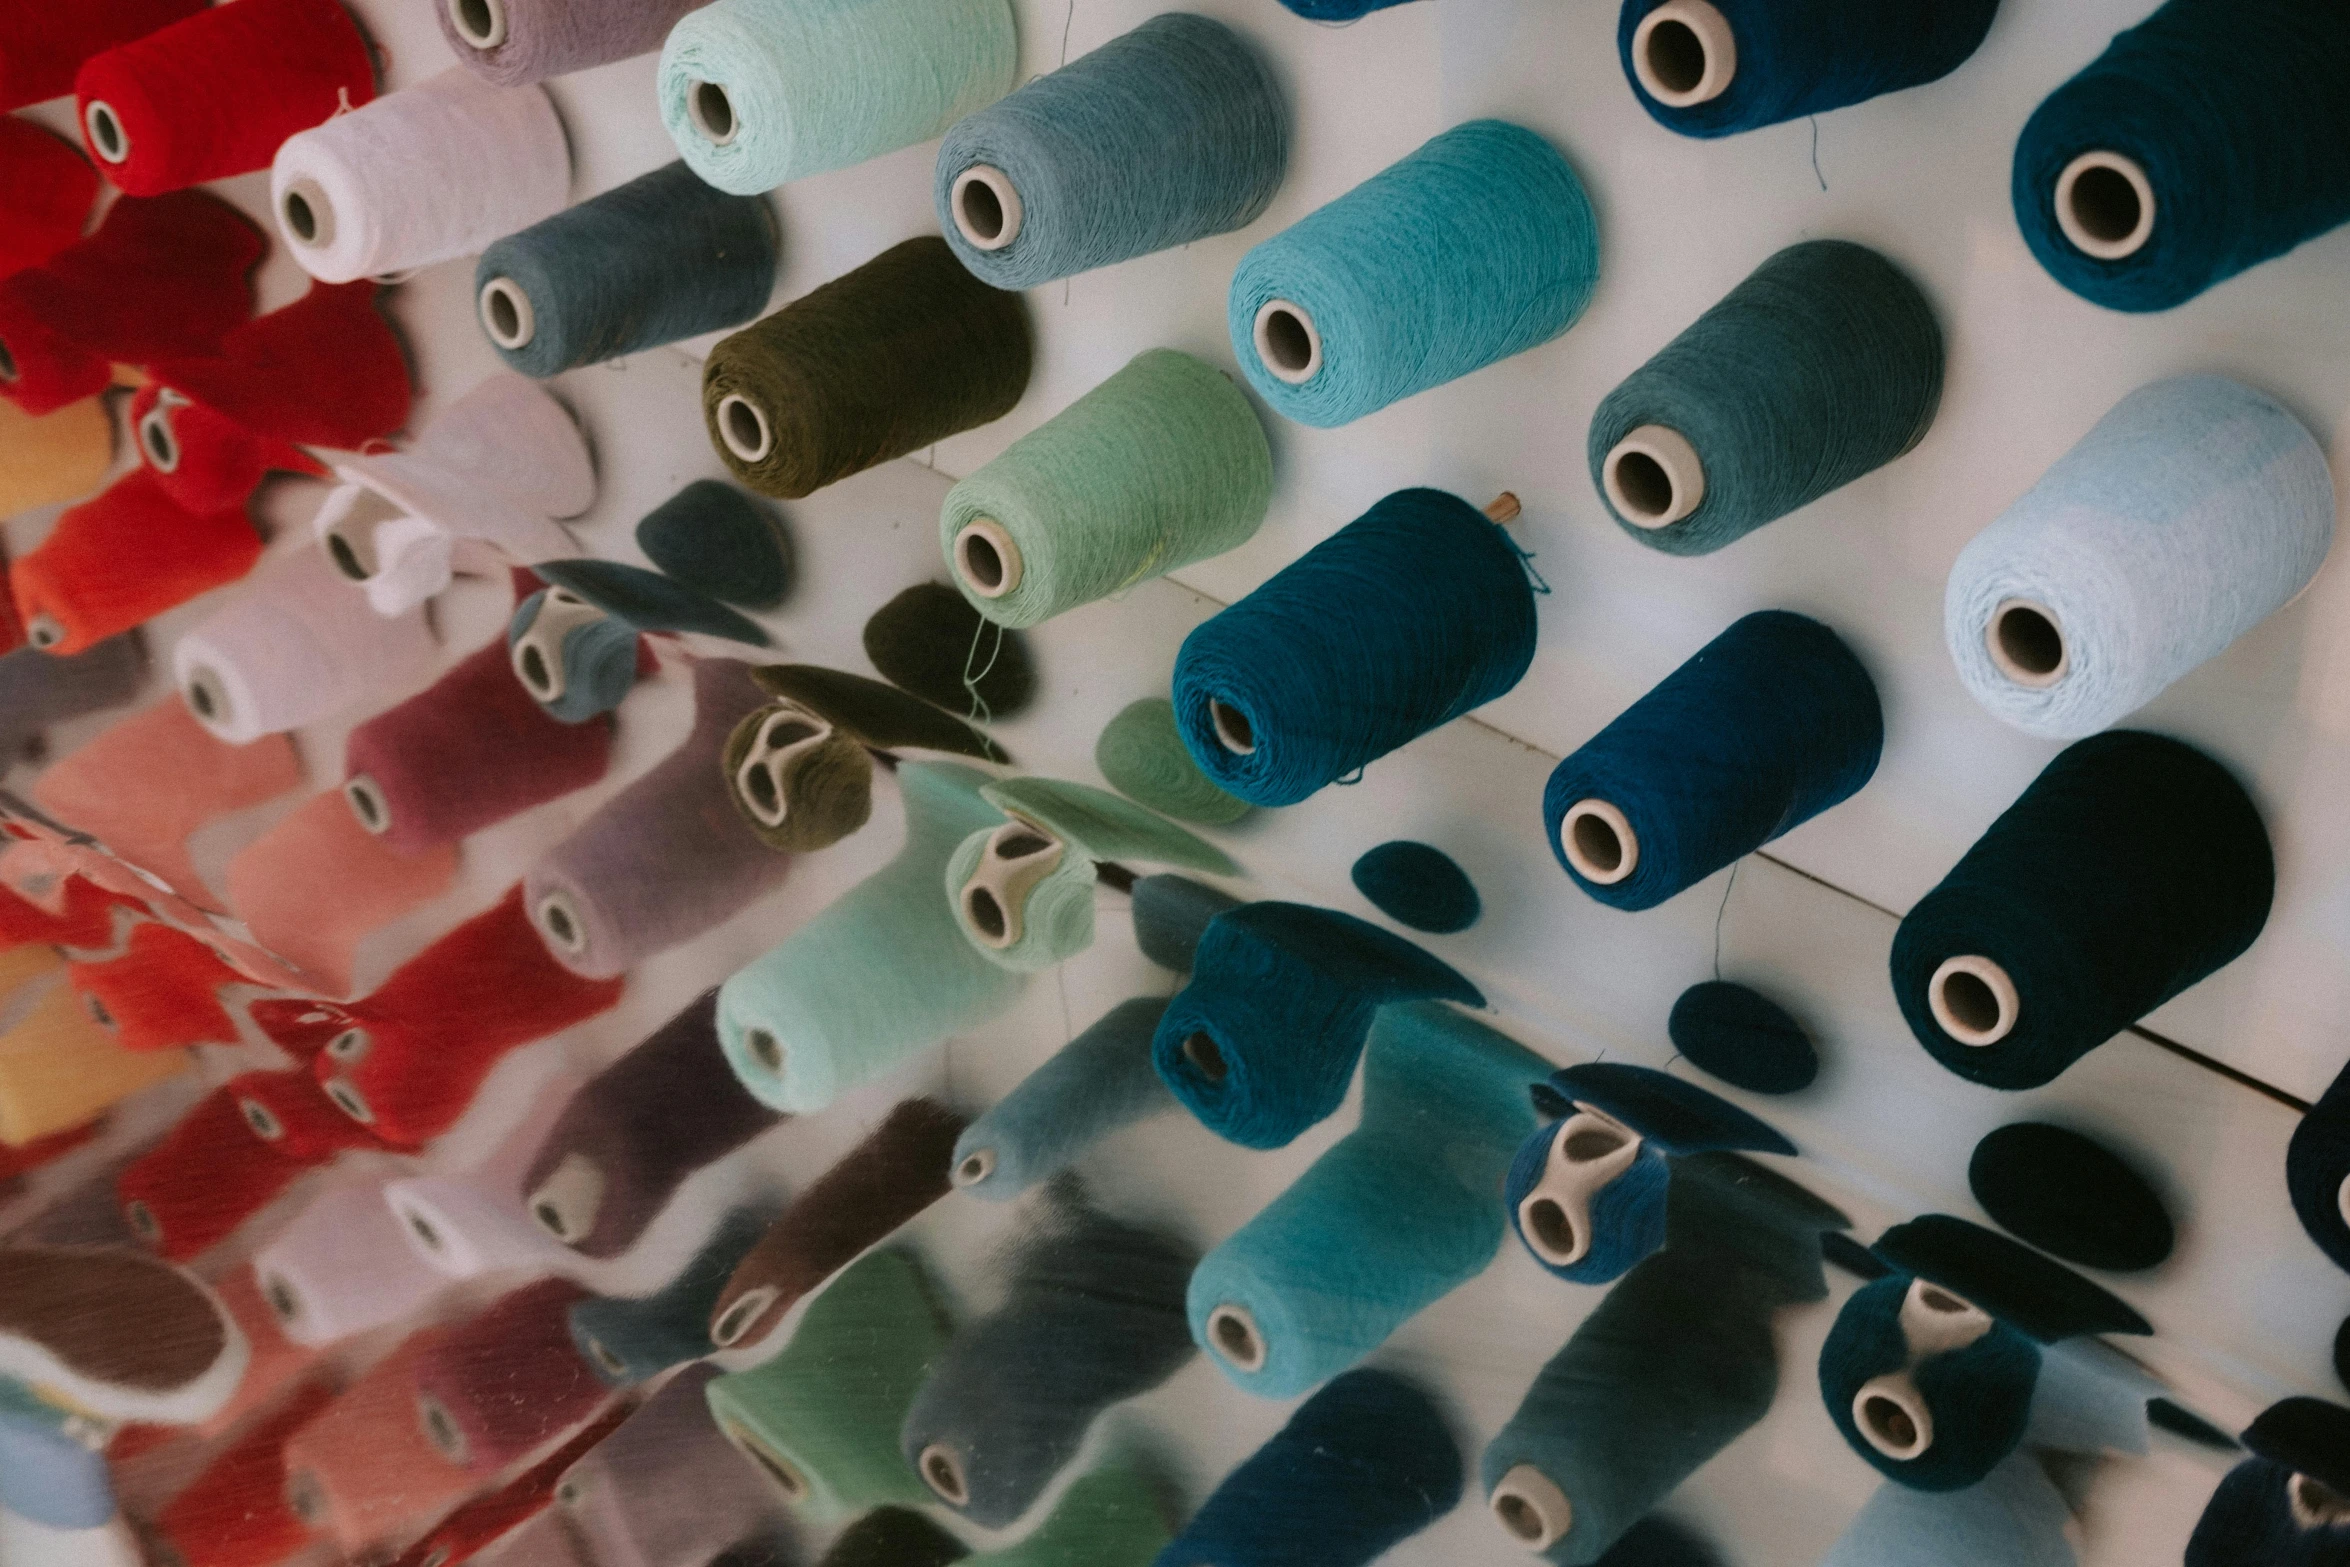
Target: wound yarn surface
[2193, 509]
[72, 591]
[42, 46]
[1111, 1517]
[341, 1267]
[2249, 1522]
[1171, 913]
[2132, 867]
[2071, 1196]
[714, 539]
[1411, 615]
[160, 993]
[1141, 754]
[1744, 1038]
[49, 191]
[1419, 885]
[39, 690]
[1262, 1043]
[894, 1537]
[1480, 244]
[1823, 364]
[594, 660]
[929, 641]
[628, 1340]
[1164, 135]
[64, 455]
[235, 1513]
[646, 1496]
[1765, 727]
[315, 886]
[1098, 1082]
[2317, 1171]
[661, 258]
[511, 43]
[508, 1379]
[2209, 103]
[207, 1176]
[1163, 464]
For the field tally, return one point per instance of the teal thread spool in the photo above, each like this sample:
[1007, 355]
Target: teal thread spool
[758, 93]
[1142, 754]
[1098, 1082]
[1480, 245]
[1163, 464]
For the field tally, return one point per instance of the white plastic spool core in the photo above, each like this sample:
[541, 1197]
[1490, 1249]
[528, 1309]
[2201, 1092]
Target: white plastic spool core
[1531, 1508]
[2315, 1504]
[44, 631]
[368, 803]
[1018, 856]
[1233, 1332]
[2105, 205]
[351, 1102]
[283, 1298]
[1974, 1000]
[986, 206]
[742, 425]
[441, 1428]
[1289, 345]
[427, 1233]
[207, 698]
[1653, 477]
[712, 112]
[1598, 841]
[506, 313]
[1233, 730]
[107, 137]
[158, 440]
[560, 923]
[974, 1167]
[481, 23]
[942, 1471]
[740, 1317]
[261, 1119]
[1684, 53]
[1892, 1418]
[2027, 644]
[986, 558]
[309, 215]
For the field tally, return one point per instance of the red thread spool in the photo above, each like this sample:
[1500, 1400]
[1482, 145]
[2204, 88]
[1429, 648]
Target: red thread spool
[288, 1111]
[43, 42]
[411, 1055]
[87, 919]
[162, 992]
[503, 1384]
[214, 95]
[276, 1364]
[298, 1027]
[208, 1176]
[124, 558]
[16, 1163]
[236, 1514]
[361, 1469]
[45, 194]
[165, 277]
[465, 753]
[486, 1520]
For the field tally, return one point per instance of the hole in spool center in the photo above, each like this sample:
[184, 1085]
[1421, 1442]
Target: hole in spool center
[106, 134]
[712, 112]
[1889, 1423]
[1676, 56]
[507, 314]
[1288, 342]
[765, 1049]
[2317, 1505]
[2105, 204]
[1553, 1230]
[480, 22]
[281, 1298]
[743, 427]
[367, 803]
[155, 434]
[982, 209]
[1233, 730]
[440, 1427]
[1942, 1301]
[1596, 840]
[1969, 999]
[608, 1357]
[535, 673]
[203, 695]
[986, 914]
[346, 558]
[1519, 1517]
[944, 1474]
[7, 364]
[983, 564]
[44, 631]
[142, 1221]
[1646, 487]
[426, 1230]
[976, 1167]
[2027, 644]
[742, 1316]
[1236, 1337]
[301, 217]
[1205, 1058]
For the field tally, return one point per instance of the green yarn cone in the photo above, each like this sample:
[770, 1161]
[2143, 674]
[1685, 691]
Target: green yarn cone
[1141, 753]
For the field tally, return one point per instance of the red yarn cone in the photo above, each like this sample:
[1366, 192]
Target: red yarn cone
[236, 1513]
[124, 558]
[43, 42]
[45, 195]
[160, 994]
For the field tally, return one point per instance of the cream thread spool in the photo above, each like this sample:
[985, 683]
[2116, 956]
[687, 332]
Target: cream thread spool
[107, 137]
[2105, 205]
[1685, 53]
[2027, 644]
[1288, 343]
[987, 207]
[1531, 1508]
[481, 23]
[1233, 1331]
[1974, 1000]
[1590, 1150]
[1019, 855]
[506, 313]
[743, 426]
[1654, 477]
[987, 558]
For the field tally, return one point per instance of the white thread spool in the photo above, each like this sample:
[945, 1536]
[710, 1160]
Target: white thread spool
[1684, 53]
[1598, 840]
[1974, 1000]
[2105, 205]
[987, 208]
[1531, 1508]
[987, 559]
[1289, 345]
[1653, 477]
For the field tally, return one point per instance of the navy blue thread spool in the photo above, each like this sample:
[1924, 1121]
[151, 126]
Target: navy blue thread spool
[2204, 141]
[1164, 135]
[1823, 364]
[661, 258]
[1736, 65]
[2317, 1174]
[1406, 618]
[2288, 1505]
[2132, 867]
[1766, 726]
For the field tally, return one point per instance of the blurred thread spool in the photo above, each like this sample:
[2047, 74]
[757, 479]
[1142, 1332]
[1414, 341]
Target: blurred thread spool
[341, 1267]
[758, 93]
[72, 590]
[1170, 133]
[473, 1225]
[2130, 869]
[314, 887]
[714, 539]
[49, 189]
[576, 661]
[631, 1340]
[1763, 728]
[2192, 510]
[40, 690]
[661, 258]
[1161, 465]
[64, 455]
[897, 355]
[1113, 1516]
[361, 1471]
[1479, 245]
[1141, 754]
[514, 1508]
[212, 96]
[511, 43]
[1171, 916]
[1098, 1082]
[2014, 1515]
[59, 1070]
[368, 194]
[1419, 885]
[930, 641]
[2317, 1176]
[502, 1384]
[41, 46]
[644, 1497]
[2072, 1196]
[161, 992]
[235, 1514]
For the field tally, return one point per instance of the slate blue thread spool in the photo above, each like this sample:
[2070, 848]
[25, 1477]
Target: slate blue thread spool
[1263, 1042]
[2201, 143]
[1735, 65]
[1406, 618]
[627, 1340]
[1825, 363]
[1590, 1193]
[2015, 1516]
[1479, 245]
[1164, 135]
[2317, 1174]
[1096, 1083]
[575, 660]
[1766, 726]
[661, 258]
[2132, 867]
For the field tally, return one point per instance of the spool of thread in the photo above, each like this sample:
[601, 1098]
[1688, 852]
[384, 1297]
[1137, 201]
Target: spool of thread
[465, 753]
[2131, 868]
[894, 1537]
[39, 1154]
[820, 1420]
[82, 916]
[286, 1110]
[59, 1070]
[931, 642]
[512, 43]
[649, 601]
[412, 1053]
[712, 538]
[2150, 177]
[1677, 1362]
[2192, 510]
[163, 278]
[362, 1471]
[1171, 915]
[1337, 12]
[53, 458]
[2015, 1514]
[2317, 1171]
[1281, 694]
[645, 1497]
[469, 1226]
[1743, 1037]
[758, 93]
[41, 48]
[117, 1336]
[877, 1187]
[160, 994]
[1364, 1464]
[213, 95]
[317, 885]
[1093, 1317]
[1419, 885]
[1171, 133]
[1112, 1517]
[1407, 1197]
[1479, 245]
[897, 355]
[38, 690]
[1715, 69]
[205, 1179]
[49, 192]
[341, 1267]
[204, 460]
[1823, 365]
[2266, 1512]
[1023, 892]
[1263, 1042]
[831, 1007]
[576, 661]
[501, 1515]
[1098, 1082]
[72, 590]
[1765, 727]
[636, 1131]
[2071, 1196]
[628, 1340]
[661, 258]
[49, 1472]
[1141, 753]
[1161, 465]
[235, 1513]
[367, 194]
[502, 1384]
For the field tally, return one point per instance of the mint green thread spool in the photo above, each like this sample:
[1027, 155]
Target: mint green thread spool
[1141, 753]
[1163, 464]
